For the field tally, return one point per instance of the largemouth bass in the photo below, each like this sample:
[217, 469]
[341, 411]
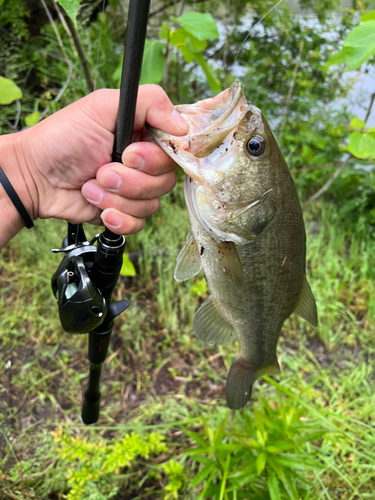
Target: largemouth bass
[247, 232]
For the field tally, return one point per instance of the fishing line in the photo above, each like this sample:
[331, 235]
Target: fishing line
[253, 27]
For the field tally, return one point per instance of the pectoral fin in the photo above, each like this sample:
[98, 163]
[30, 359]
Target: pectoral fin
[188, 260]
[306, 307]
[210, 327]
[251, 220]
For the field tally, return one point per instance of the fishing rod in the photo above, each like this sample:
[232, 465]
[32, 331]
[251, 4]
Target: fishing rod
[86, 277]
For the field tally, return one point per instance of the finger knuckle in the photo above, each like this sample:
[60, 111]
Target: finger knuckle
[135, 225]
[161, 98]
[152, 206]
[138, 191]
[156, 205]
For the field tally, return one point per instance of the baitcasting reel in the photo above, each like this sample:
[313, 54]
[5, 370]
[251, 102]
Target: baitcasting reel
[83, 284]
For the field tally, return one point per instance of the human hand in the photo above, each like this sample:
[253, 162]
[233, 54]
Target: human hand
[66, 162]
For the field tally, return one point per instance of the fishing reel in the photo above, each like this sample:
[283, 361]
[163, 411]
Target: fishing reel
[85, 278]
[83, 285]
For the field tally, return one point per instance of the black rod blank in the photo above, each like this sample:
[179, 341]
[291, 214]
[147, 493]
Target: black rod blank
[131, 74]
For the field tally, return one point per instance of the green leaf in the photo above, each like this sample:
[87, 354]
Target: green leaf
[284, 477]
[261, 461]
[198, 451]
[342, 56]
[273, 486]
[297, 462]
[153, 63]
[203, 473]
[1, 2]
[164, 30]
[202, 26]
[187, 53]
[357, 123]
[253, 443]
[198, 458]
[71, 7]
[362, 40]
[180, 36]
[290, 486]
[127, 268]
[273, 449]
[284, 444]
[9, 91]
[312, 436]
[198, 438]
[362, 145]
[359, 47]
[32, 119]
[370, 16]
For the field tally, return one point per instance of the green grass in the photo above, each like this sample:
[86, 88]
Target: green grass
[159, 378]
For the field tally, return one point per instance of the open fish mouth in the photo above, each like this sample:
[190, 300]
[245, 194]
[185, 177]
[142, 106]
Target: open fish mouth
[210, 121]
[204, 117]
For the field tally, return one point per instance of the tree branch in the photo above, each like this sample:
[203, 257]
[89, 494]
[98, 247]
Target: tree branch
[181, 8]
[81, 54]
[67, 60]
[290, 92]
[370, 106]
[61, 17]
[315, 167]
[13, 126]
[165, 7]
[328, 184]
[55, 30]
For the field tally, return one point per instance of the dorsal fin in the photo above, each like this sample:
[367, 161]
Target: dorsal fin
[188, 260]
[306, 307]
[210, 327]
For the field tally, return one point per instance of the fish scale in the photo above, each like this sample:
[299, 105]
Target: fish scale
[247, 233]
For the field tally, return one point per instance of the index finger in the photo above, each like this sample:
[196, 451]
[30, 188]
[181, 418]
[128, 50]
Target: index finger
[155, 108]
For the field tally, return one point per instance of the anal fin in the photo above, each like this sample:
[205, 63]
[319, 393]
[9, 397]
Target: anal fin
[188, 260]
[306, 307]
[210, 327]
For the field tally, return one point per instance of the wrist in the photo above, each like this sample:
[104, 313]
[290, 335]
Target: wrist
[13, 163]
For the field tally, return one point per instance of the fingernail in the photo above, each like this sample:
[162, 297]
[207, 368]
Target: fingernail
[92, 192]
[179, 120]
[111, 181]
[134, 160]
[111, 218]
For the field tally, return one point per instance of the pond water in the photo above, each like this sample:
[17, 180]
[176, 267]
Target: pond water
[364, 84]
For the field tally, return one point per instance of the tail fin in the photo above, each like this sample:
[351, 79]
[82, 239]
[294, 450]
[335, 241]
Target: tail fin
[239, 383]
[241, 378]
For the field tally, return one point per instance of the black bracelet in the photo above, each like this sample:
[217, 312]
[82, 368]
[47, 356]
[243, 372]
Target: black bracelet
[14, 198]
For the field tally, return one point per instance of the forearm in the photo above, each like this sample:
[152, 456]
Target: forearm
[13, 164]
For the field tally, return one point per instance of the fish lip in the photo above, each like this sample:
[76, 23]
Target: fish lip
[236, 94]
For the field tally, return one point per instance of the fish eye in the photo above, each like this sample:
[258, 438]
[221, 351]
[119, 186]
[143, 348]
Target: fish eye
[256, 145]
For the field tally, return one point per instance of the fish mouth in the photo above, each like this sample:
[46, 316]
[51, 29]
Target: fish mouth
[210, 121]
[206, 116]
